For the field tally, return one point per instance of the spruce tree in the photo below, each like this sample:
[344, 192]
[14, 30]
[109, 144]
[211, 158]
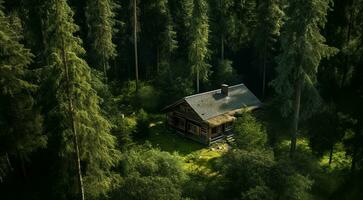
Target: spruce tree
[100, 20]
[83, 132]
[135, 40]
[20, 120]
[303, 47]
[198, 47]
[166, 41]
[269, 22]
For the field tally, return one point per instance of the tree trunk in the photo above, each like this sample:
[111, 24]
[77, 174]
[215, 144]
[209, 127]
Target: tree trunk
[297, 100]
[135, 46]
[105, 64]
[352, 167]
[346, 58]
[73, 125]
[331, 154]
[222, 47]
[198, 81]
[8, 162]
[23, 169]
[157, 60]
[222, 34]
[264, 69]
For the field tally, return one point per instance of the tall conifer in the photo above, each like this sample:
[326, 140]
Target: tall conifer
[198, 47]
[101, 22]
[84, 132]
[303, 47]
[20, 121]
[269, 22]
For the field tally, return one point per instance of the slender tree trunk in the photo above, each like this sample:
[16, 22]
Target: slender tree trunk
[135, 46]
[198, 81]
[331, 154]
[157, 60]
[222, 34]
[346, 58]
[23, 169]
[264, 70]
[115, 72]
[105, 64]
[352, 167]
[73, 125]
[297, 100]
[8, 161]
[222, 47]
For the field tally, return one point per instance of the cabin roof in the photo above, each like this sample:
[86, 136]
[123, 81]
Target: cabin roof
[213, 103]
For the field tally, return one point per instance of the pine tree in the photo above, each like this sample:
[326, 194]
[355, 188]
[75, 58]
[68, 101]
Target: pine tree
[135, 33]
[84, 132]
[166, 41]
[241, 28]
[20, 120]
[100, 19]
[235, 23]
[352, 34]
[303, 47]
[269, 16]
[198, 47]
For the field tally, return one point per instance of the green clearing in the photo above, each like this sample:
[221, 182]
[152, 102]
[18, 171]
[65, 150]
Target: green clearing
[196, 156]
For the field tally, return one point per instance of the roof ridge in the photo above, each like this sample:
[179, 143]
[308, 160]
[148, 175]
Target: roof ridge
[194, 95]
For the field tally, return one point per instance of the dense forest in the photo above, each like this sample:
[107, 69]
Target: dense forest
[83, 83]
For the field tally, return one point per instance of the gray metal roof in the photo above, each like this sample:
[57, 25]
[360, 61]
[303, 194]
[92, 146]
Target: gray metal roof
[213, 103]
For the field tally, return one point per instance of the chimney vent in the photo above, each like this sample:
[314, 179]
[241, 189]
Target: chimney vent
[224, 89]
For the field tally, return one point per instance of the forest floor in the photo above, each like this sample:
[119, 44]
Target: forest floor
[196, 156]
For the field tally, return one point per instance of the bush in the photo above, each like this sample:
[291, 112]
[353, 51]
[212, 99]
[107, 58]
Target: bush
[142, 130]
[151, 174]
[148, 97]
[249, 133]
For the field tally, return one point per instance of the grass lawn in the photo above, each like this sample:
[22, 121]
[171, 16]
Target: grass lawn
[195, 155]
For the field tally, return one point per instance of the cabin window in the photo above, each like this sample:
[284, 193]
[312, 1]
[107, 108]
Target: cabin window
[214, 130]
[192, 128]
[228, 126]
[217, 130]
[178, 122]
[203, 130]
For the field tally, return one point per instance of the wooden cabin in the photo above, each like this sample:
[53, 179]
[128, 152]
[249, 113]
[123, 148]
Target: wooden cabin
[208, 117]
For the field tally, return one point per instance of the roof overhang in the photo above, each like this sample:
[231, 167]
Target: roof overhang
[219, 120]
[227, 117]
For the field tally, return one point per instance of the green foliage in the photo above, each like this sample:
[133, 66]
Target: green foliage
[269, 17]
[124, 127]
[245, 170]
[352, 141]
[20, 120]
[258, 192]
[101, 27]
[249, 133]
[225, 73]
[303, 47]
[296, 187]
[198, 47]
[142, 125]
[151, 174]
[72, 85]
[256, 174]
[325, 130]
[41, 44]
[149, 97]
